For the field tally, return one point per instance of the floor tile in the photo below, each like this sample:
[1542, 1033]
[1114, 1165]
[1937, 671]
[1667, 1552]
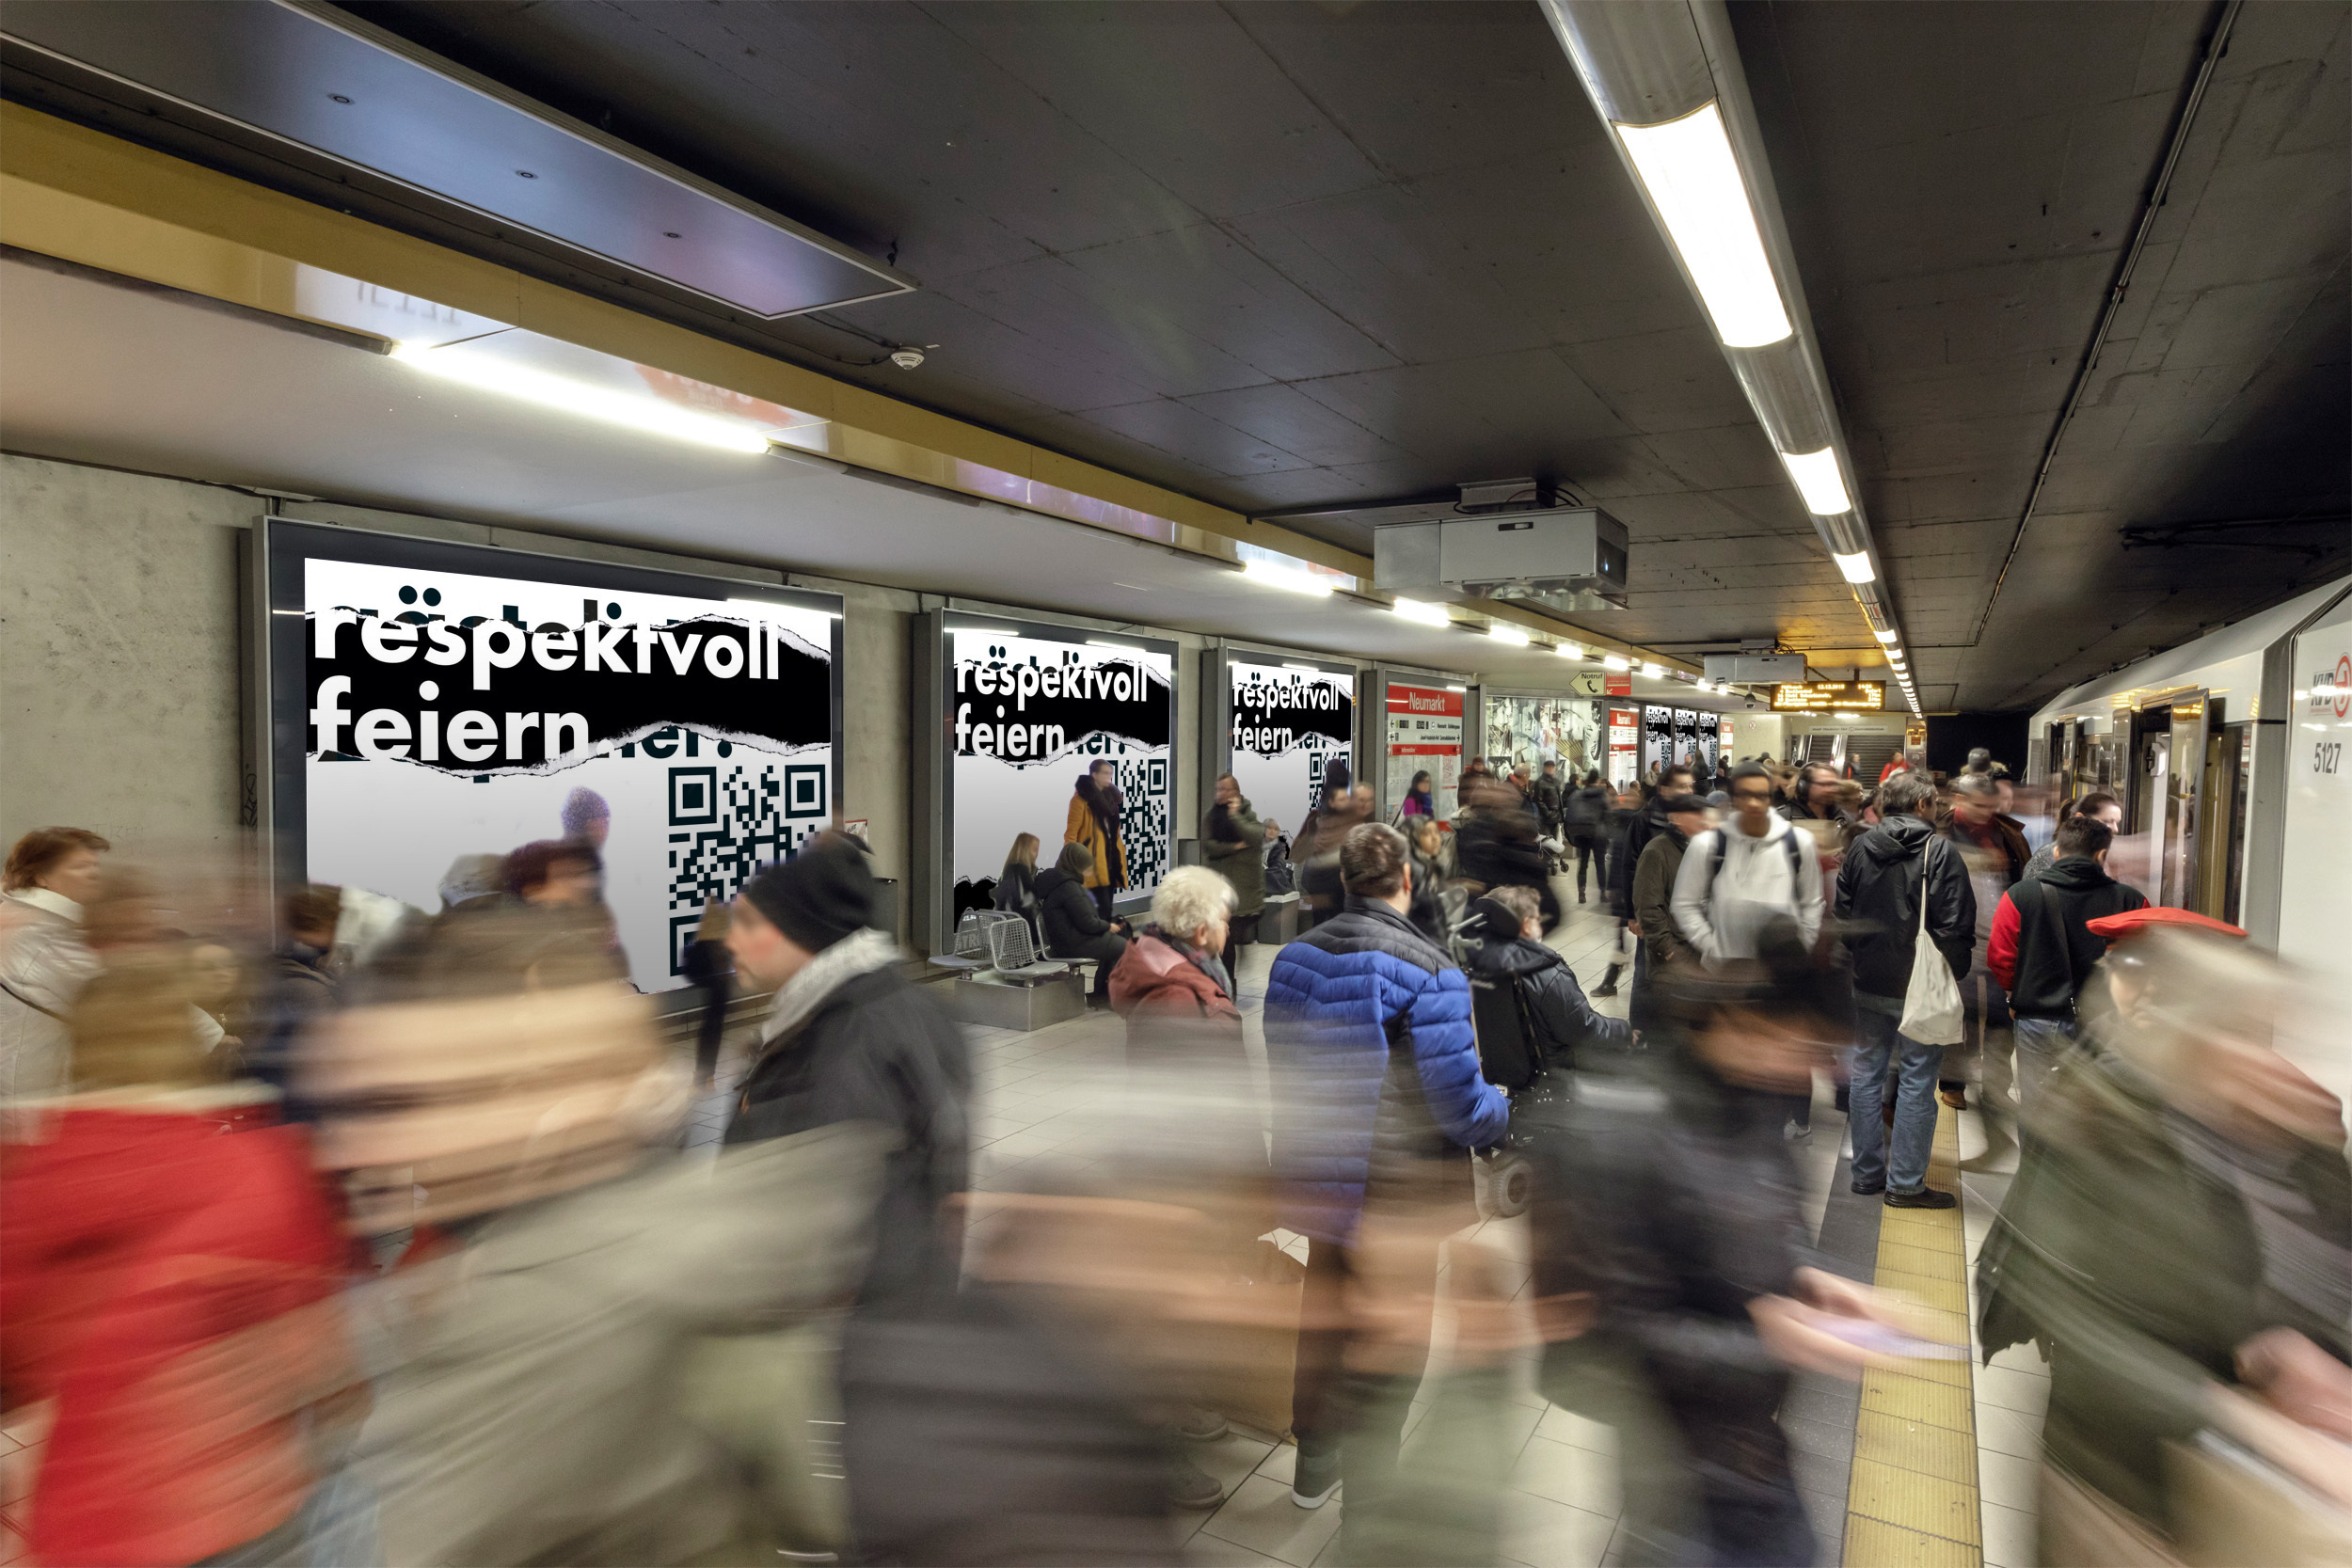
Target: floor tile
[1563, 1426]
[1209, 1551]
[2009, 1538]
[1261, 1516]
[1578, 1477]
[1547, 1534]
[1229, 1458]
[2013, 1389]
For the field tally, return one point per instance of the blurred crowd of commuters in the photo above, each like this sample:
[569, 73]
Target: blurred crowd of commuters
[329, 1235]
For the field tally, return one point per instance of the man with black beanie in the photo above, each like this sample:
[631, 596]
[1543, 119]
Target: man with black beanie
[847, 1039]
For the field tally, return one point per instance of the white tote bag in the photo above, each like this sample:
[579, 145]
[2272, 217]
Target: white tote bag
[1931, 1002]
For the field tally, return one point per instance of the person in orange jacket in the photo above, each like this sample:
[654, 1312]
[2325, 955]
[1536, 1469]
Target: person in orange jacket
[1094, 813]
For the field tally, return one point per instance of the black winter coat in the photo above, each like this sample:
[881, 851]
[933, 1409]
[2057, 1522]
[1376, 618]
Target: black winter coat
[1675, 1214]
[1563, 1021]
[1497, 849]
[1587, 809]
[1643, 826]
[1072, 921]
[1879, 888]
[1550, 796]
[878, 1049]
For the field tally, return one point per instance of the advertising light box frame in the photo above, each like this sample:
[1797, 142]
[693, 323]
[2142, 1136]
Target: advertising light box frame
[1219, 667]
[939, 861]
[279, 569]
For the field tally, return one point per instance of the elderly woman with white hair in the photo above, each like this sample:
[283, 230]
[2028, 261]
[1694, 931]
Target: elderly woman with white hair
[1171, 986]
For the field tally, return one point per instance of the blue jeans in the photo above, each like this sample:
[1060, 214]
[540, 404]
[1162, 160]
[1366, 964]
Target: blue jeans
[1876, 1038]
[2042, 1044]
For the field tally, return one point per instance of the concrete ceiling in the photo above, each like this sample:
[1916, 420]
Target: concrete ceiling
[150, 381]
[1293, 255]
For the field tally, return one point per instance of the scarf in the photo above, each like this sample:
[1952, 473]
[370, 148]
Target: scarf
[859, 953]
[1104, 803]
[1207, 963]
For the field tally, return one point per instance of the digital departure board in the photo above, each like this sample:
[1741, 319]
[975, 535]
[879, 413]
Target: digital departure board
[1829, 694]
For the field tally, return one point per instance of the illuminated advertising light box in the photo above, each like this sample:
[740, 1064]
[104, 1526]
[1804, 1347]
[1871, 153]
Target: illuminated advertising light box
[432, 701]
[1426, 733]
[1289, 724]
[1031, 707]
[1829, 694]
[1625, 740]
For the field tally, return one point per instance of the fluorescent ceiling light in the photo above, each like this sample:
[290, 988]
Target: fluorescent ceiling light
[649, 416]
[1610, 661]
[1457, 688]
[1687, 167]
[1502, 631]
[982, 631]
[1856, 567]
[1818, 481]
[1886, 636]
[1568, 650]
[1655, 672]
[1287, 578]
[1427, 614]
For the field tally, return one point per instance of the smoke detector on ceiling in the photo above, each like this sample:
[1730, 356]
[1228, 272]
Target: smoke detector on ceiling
[907, 358]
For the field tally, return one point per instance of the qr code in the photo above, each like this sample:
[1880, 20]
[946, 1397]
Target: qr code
[725, 823]
[1143, 824]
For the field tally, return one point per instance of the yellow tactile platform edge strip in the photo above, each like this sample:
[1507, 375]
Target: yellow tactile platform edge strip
[1913, 1501]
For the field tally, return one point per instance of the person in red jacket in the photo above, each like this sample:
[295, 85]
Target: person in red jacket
[2042, 949]
[1170, 985]
[171, 1275]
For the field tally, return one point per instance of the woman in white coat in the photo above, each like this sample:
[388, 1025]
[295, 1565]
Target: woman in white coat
[52, 874]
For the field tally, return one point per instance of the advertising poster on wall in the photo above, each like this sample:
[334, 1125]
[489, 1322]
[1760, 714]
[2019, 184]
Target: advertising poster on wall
[685, 725]
[1029, 714]
[1535, 730]
[1624, 746]
[1658, 739]
[1289, 723]
[1425, 732]
[1710, 741]
[1686, 743]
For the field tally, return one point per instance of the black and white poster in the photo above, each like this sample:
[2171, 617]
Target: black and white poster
[447, 713]
[1290, 722]
[1686, 750]
[1027, 717]
[1658, 739]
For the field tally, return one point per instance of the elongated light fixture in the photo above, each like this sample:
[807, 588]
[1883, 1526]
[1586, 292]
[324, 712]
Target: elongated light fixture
[1568, 650]
[1856, 567]
[1819, 481]
[1286, 578]
[1502, 631]
[1687, 167]
[649, 416]
[1610, 661]
[1426, 614]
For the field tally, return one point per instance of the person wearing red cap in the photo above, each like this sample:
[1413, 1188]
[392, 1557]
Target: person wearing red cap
[2045, 943]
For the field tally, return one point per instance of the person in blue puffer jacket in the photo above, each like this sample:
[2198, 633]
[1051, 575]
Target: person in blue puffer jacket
[1378, 1101]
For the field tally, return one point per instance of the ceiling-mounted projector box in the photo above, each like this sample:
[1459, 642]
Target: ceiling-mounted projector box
[1511, 554]
[1756, 668]
[1504, 555]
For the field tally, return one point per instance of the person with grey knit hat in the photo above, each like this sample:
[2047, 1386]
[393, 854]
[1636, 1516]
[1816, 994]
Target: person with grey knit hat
[846, 1039]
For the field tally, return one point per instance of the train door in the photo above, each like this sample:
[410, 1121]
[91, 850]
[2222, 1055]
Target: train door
[2229, 796]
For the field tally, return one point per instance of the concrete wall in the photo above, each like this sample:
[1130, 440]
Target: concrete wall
[119, 656]
[119, 649]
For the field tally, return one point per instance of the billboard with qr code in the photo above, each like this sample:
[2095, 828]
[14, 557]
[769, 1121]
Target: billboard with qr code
[1289, 723]
[431, 701]
[1031, 708]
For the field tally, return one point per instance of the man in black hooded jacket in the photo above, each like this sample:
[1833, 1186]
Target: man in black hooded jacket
[1513, 951]
[1887, 875]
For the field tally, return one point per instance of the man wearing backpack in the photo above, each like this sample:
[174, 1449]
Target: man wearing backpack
[1735, 878]
[1585, 812]
[1899, 879]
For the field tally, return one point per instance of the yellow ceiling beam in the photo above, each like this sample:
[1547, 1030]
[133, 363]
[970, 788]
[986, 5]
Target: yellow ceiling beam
[83, 195]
